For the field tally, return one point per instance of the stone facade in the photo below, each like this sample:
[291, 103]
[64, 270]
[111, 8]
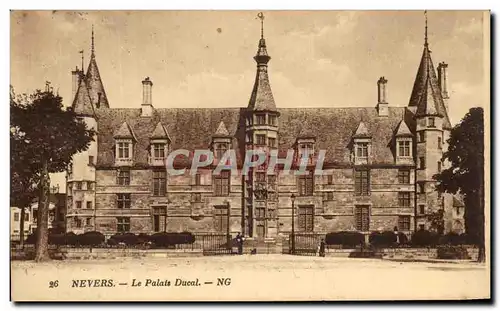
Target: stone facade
[378, 167]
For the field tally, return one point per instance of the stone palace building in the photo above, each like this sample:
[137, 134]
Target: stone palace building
[379, 162]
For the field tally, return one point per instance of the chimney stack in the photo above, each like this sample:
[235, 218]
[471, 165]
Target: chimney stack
[147, 101]
[382, 105]
[443, 83]
[75, 81]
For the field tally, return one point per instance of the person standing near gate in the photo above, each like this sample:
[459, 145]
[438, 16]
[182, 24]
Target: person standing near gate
[239, 241]
[322, 248]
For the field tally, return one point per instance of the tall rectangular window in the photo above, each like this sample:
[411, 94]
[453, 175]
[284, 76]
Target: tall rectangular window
[91, 160]
[421, 209]
[78, 204]
[404, 199]
[159, 151]
[88, 221]
[123, 150]
[261, 119]
[404, 176]
[16, 216]
[421, 136]
[404, 148]
[362, 215]
[90, 185]
[362, 150]
[362, 182]
[440, 145]
[306, 184]
[197, 179]
[272, 120]
[306, 218]
[159, 183]
[421, 187]
[220, 151]
[404, 223]
[432, 122]
[329, 180]
[123, 200]
[221, 184]
[123, 224]
[124, 177]
[439, 166]
[261, 139]
[78, 185]
[221, 218]
[89, 204]
[272, 142]
[421, 163]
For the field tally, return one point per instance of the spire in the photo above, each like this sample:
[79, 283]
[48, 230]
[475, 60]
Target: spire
[94, 82]
[92, 47]
[262, 97]
[426, 43]
[426, 95]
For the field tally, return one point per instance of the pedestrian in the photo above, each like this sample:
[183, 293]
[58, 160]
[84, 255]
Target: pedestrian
[239, 241]
[322, 248]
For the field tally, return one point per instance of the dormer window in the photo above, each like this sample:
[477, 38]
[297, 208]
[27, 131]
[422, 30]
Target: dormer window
[158, 151]
[362, 150]
[403, 148]
[305, 148]
[124, 150]
[260, 119]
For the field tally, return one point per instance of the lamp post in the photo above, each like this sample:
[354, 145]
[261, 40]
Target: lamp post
[293, 223]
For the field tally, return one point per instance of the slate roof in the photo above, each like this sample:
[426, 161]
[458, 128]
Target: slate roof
[426, 94]
[95, 85]
[82, 104]
[194, 128]
[262, 98]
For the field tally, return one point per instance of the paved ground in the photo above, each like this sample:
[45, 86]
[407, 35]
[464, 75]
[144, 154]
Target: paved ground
[259, 277]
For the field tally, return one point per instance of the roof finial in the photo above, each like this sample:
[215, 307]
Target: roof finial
[81, 52]
[426, 43]
[261, 16]
[92, 40]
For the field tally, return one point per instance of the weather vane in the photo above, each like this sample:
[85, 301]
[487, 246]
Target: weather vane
[261, 17]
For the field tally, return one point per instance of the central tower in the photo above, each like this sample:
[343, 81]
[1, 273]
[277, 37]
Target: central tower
[261, 197]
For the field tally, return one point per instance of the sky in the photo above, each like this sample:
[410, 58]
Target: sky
[205, 58]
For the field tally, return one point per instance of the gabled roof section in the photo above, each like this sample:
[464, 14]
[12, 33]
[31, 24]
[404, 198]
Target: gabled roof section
[124, 131]
[160, 132]
[221, 130]
[82, 104]
[402, 129]
[426, 95]
[362, 131]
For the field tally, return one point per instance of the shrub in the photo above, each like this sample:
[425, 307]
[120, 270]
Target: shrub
[383, 239]
[72, 239]
[31, 239]
[91, 238]
[424, 238]
[345, 238]
[143, 238]
[452, 252]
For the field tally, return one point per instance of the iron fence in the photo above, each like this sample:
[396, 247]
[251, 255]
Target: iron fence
[306, 244]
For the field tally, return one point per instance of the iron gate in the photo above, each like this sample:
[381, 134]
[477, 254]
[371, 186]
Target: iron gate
[306, 244]
[217, 244]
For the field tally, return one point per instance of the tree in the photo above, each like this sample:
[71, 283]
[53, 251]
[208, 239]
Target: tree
[466, 173]
[50, 136]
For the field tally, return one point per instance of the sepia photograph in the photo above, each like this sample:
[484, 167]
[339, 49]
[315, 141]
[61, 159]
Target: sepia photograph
[191, 155]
